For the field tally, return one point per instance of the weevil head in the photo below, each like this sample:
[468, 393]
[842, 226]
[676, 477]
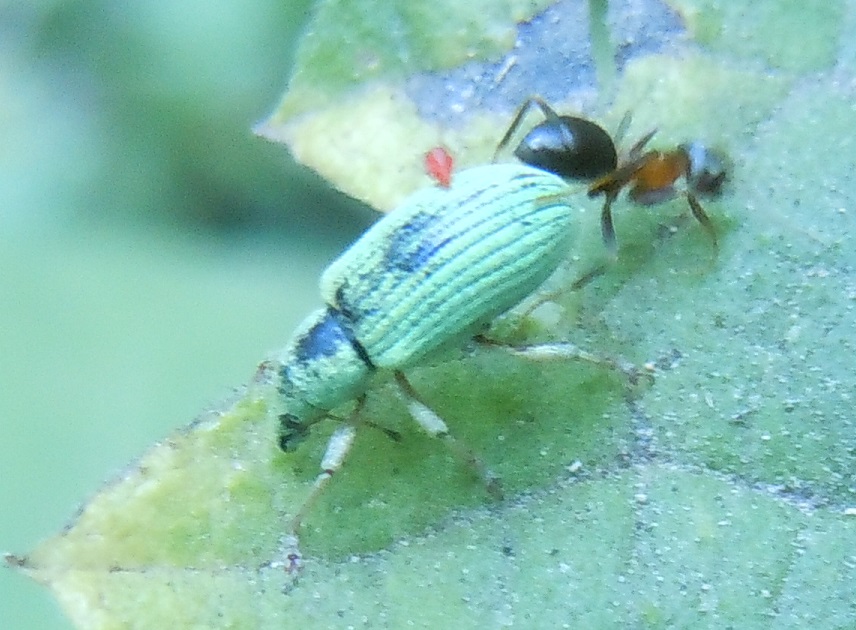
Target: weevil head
[322, 367]
[291, 432]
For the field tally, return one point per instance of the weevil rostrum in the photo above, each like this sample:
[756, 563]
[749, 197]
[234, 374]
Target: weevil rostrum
[431, 274]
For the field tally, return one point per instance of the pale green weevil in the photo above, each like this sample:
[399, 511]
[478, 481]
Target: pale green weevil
[432, 273]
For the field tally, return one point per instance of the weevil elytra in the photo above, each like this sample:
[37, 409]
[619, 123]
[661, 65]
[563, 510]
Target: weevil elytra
[432, 273]
[579, 149]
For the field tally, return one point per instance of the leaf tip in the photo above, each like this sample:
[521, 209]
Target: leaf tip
[15, 562]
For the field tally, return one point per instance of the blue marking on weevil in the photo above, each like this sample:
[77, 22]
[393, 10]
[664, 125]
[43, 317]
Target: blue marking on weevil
[324, 339]
[413, 245]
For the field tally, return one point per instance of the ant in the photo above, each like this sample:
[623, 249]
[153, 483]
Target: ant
[579, 149]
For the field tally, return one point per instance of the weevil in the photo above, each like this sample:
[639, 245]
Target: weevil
[431, 274]
[578, 149]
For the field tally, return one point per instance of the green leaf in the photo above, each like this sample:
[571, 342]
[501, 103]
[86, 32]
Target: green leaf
[722, 495]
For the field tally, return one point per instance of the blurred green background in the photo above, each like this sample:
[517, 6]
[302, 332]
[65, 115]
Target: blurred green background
[153, 250]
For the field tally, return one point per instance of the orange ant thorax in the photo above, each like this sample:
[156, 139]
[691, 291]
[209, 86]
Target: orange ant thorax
[655, 179]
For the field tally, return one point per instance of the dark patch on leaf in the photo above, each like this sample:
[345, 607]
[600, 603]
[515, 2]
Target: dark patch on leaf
[641, 28]
[552, 58]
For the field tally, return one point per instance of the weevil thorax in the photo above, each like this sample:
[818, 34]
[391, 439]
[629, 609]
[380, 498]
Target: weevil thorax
[320, 368]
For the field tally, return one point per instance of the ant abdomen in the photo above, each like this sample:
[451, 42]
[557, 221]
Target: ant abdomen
[571, 147]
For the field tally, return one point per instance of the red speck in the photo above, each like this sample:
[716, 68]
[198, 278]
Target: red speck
[438, 164]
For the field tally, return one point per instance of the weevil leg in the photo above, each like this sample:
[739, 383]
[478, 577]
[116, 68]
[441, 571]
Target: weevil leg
[434, 426]
[535, 100]
[532, 303]
[338, 447]
[588, 277]
[392, 434]
[567, 351]
[292, 432]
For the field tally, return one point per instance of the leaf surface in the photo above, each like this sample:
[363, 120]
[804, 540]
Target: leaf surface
[721, 495]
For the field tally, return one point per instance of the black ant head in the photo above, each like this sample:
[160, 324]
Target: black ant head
[707, 170]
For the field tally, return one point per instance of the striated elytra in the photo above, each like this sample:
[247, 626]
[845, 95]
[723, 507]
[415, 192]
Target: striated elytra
[431, 273]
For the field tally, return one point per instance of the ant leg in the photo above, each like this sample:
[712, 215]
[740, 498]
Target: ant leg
[701, 215]
[636, 150]
[611, 184]
[537, 101]
[434, 426]
[622, 128]
[606, 226]
[549, 112]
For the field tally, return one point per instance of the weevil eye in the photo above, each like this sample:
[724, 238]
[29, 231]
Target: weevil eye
[291, 432]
